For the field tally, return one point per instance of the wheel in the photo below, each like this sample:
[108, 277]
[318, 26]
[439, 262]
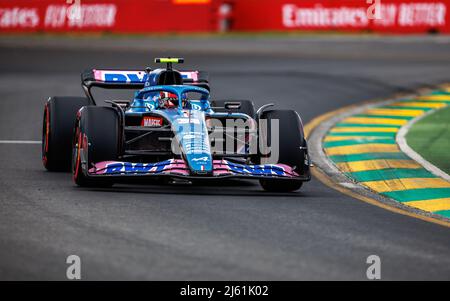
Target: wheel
[57, 130]
[247, 107]
[291, 148]
[96, 138]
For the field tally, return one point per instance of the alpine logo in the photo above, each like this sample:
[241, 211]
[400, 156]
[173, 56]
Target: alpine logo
[204, 159]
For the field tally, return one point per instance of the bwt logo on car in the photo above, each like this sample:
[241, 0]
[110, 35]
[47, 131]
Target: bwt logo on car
[123, 77]
[256, 170]
[136, 167]
[133, 76]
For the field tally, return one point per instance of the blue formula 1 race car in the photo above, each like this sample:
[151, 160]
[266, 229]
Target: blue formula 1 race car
[171, 130]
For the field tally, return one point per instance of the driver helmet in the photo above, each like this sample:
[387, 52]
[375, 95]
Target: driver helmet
[168, 100]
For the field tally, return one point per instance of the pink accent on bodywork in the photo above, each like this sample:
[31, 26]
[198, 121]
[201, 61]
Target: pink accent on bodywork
[98, 75]
[192, 75]
[179, 167]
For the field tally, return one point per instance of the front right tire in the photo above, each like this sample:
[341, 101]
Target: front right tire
[57, 130]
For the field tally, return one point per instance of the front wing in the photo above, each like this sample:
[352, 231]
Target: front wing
[179, 169]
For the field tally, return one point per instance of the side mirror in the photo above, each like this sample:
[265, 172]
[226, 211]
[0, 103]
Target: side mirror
[232, 105]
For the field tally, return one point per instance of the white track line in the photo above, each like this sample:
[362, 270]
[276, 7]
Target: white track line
[19, 142]
[401, 141]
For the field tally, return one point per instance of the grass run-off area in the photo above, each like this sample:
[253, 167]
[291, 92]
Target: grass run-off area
[430, 137]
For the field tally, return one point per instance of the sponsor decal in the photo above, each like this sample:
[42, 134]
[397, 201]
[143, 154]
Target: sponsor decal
[257, 169]
[203, 159]
[120, 76]
[196, 107]
[188, 120]
[124, 76]
[189, 136]
[422, 14]
[19, 17]
[152, 121]
[88, 16]
[407, 14]
[319, 16]
[196, 148]
[150, 106]
[126, 167]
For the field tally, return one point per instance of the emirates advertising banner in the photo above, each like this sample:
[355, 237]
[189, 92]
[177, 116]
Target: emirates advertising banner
[395, 16]
[54, 15]
[133, 16]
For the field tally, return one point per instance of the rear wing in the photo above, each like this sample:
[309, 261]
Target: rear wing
[122, 79]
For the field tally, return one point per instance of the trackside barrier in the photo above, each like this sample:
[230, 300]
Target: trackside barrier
[162, 16]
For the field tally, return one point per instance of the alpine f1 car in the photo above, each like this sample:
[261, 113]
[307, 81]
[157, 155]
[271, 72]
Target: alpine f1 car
[171, 129]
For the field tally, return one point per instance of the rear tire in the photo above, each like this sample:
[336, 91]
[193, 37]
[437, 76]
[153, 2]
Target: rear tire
[96, 135]
[247, 107]
[57, 131]
[291, 141]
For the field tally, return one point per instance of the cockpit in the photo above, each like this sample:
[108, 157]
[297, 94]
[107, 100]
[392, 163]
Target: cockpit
[168, 97]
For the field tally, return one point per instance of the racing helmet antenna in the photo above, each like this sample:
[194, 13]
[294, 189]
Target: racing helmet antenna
[169, 61]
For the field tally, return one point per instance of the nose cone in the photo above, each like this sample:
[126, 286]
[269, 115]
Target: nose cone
[192, 134]
[200, 163]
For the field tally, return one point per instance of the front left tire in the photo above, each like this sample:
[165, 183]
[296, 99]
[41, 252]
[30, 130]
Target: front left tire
[96, 138]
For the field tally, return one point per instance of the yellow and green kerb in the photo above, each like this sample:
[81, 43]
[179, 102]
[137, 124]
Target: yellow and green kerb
[364, 147]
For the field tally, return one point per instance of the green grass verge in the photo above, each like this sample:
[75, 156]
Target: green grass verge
[430, 137]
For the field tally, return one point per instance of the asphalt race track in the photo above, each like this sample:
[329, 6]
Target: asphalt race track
[231, 231]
